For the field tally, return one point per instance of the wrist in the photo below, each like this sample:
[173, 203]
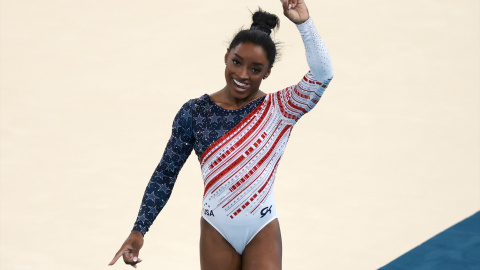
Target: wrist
[303, 21]
[305, 26]
[136, 233]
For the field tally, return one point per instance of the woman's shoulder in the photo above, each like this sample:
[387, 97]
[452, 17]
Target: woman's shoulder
[196, 104]
[202, 100]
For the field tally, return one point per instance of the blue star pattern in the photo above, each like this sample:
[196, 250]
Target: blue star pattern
[221, 132]
[153, 211]
[230, 117]
[199, 123]
[141, 218]
[164, 189]
[199, 119]
[152, 196]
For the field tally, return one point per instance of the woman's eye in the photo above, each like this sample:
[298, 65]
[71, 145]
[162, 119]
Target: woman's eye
[256, 70]
[235, 62]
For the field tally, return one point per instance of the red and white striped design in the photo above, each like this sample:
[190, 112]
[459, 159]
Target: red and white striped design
[239, 168]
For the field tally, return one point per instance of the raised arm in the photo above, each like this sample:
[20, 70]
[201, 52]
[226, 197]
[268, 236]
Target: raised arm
[302, 97]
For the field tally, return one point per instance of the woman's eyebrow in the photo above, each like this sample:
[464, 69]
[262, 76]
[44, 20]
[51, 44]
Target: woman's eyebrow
[241, 58]
[254, 63]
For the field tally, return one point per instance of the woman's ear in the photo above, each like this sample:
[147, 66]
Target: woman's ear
[226, 56]
[267, 74]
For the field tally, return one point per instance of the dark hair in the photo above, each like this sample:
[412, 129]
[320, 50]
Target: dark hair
[259, 34]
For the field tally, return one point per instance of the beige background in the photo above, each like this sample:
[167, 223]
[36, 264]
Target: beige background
[89, 89]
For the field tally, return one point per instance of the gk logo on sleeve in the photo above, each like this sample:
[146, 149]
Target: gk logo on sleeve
[265, 211]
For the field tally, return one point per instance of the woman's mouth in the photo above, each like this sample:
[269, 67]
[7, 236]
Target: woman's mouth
[240, 86]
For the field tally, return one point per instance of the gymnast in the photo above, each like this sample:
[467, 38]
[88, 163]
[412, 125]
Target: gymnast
[239, 134]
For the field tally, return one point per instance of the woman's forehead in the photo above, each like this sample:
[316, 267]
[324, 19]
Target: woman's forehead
[249, 51]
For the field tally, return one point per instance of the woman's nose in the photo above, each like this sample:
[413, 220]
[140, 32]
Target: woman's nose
[243, 73]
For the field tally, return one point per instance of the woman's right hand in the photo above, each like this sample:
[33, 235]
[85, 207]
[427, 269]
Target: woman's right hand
[130, 249]
[295, 10]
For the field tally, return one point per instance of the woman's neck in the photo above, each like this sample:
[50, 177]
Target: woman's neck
[223, 99]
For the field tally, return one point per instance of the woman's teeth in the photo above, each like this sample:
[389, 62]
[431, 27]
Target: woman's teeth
[239, 84]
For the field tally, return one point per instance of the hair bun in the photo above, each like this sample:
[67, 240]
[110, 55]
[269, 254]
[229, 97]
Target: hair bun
[264, 21]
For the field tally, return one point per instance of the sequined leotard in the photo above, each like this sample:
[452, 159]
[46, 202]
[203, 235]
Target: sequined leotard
[239, 150]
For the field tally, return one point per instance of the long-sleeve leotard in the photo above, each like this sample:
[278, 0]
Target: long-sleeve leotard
[201, 124]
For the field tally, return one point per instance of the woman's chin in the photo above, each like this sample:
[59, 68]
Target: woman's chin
[240, 93]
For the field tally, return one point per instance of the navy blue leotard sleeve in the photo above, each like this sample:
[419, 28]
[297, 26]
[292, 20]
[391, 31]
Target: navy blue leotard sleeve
[161, 183]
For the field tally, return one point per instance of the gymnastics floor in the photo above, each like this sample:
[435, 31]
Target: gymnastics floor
[456, 248]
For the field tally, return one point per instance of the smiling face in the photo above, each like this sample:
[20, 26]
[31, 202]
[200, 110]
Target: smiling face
[246, 66]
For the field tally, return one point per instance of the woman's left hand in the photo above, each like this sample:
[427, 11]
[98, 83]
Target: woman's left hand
[295, 10]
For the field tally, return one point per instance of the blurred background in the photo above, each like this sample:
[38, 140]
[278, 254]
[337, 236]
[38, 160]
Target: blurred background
[388, 158]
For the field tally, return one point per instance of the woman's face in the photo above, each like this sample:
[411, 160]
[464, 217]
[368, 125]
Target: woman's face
[246, 66]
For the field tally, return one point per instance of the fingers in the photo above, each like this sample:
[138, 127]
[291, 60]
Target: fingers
[130, 249]
[130, 256]
[117, 256]
[289, 4]
[292, 4]
[136, 261]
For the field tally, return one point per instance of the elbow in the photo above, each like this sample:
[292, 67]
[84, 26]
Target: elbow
[327, 73]
[329, 76]
[330, 73]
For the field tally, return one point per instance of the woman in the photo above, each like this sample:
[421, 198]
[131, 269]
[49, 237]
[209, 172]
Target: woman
[239, 134]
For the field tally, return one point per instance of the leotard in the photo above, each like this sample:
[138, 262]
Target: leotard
[239, 150]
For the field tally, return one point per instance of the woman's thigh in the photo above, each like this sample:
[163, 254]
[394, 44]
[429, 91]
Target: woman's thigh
[215, 251]
[265, 250]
